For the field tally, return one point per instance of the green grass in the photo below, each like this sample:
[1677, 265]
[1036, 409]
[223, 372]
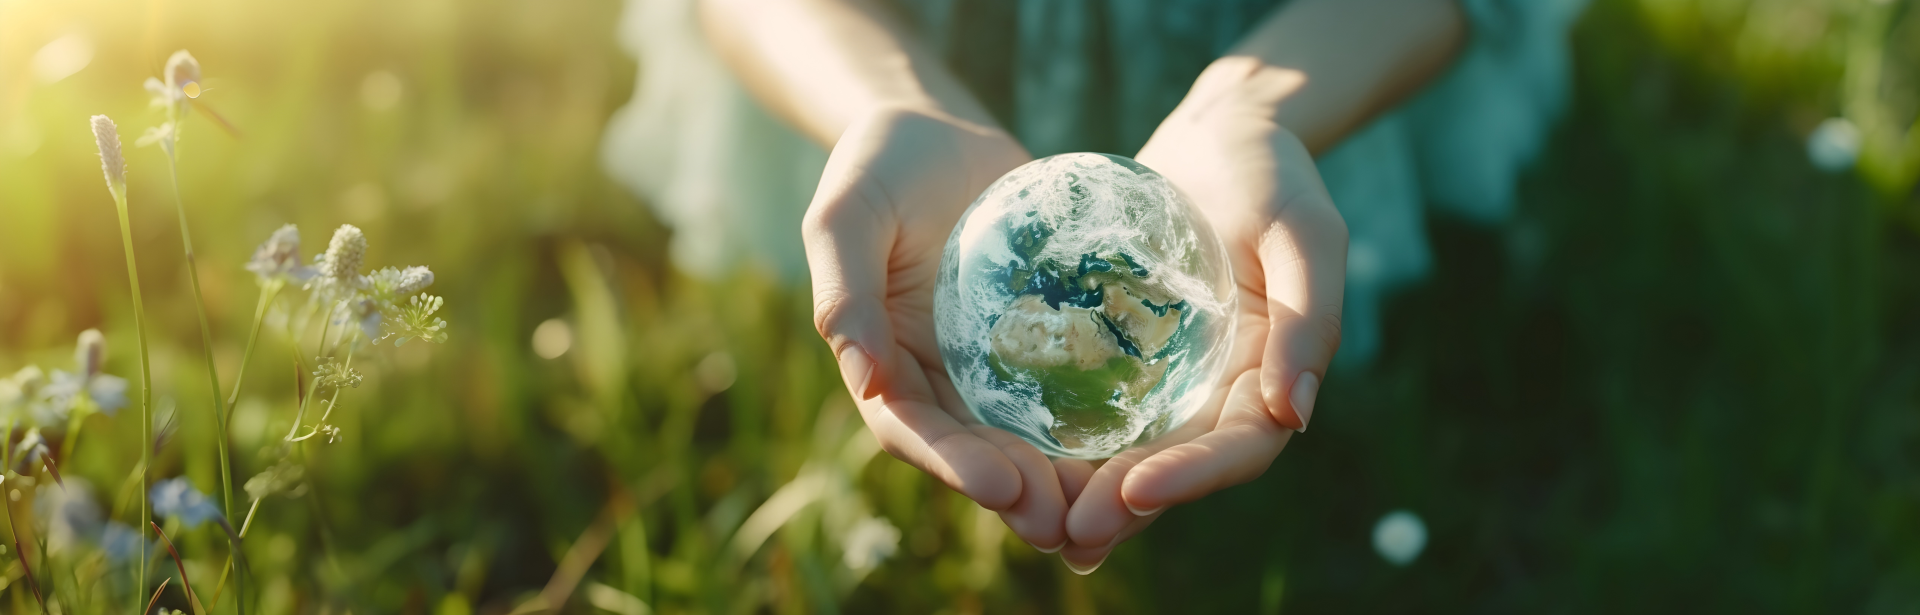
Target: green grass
[1682, 379]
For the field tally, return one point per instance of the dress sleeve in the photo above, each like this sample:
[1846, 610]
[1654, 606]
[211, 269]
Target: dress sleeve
[1459, 146]
[730, 181]
[1492, 113]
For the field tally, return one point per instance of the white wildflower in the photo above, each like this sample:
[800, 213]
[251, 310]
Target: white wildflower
[381, 304]
[162, 134]
[413, 280]
[23, 393]
[87, 383]
[90, 352]
[367, 313]
[416, 320]
[106, 137]
[279, 257]
[179, 82]
[871, 541]
[345, 252]
[156, 92]
[27, 452]
[183, 74]
[331, 373]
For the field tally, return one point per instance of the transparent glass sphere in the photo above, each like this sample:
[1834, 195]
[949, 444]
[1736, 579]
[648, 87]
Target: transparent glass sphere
[1084, 304]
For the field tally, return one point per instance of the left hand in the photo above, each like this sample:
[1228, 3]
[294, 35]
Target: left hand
[1257, 185]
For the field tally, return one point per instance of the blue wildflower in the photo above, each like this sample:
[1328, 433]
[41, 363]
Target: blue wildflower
[176, 497]
[70, 513]
[108, 392]
[120, 542]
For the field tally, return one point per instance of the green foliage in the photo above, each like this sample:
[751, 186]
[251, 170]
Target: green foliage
[1682, 379]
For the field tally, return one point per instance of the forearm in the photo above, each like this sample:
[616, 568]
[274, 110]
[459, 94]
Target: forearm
[1322, 68]
[821, 64]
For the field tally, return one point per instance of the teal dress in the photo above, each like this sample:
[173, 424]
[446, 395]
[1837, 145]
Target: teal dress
[1094, 75]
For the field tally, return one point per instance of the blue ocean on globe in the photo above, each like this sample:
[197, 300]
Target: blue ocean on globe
[1084, 304]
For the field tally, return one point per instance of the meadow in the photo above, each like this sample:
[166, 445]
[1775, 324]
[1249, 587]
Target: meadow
[1685, 377]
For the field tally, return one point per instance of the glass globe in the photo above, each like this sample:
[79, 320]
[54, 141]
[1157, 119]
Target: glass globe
[1084, 304]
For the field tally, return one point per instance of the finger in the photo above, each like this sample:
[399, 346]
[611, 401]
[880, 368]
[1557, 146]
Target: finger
[1073, 474]
[848, 234]
[1039, 515]
[1239, 450]
[1099, 512]
[1304, 256]
[914, 430]
[927, 438]
[1084, 560]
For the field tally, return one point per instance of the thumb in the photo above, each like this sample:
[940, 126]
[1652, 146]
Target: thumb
[848, 233]
[1304, 256]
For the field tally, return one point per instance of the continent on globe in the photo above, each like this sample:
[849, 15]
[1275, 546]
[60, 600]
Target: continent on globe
[1083, 304]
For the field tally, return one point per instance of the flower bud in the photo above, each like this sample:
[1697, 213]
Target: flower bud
[182, 69]
[413, 280]
[107, 137]
[345, 253]
[90, 353]
[279, 256]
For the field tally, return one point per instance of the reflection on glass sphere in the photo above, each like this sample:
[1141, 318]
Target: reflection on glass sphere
[1084, 304]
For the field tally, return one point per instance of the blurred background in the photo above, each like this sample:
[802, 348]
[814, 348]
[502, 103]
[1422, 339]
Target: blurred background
[1682, 377]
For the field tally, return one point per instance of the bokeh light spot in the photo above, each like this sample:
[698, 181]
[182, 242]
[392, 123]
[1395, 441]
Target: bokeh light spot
[380, 90]
[62, 58]
[1399, 537]
[552, 338]
[716, 372]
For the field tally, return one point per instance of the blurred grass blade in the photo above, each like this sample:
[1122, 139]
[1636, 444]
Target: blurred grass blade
[613, 600]
[32, 583]
[182, 565]
[156, 595]
[765, 520]
[602, 357]
[53, 469]
[580, 557]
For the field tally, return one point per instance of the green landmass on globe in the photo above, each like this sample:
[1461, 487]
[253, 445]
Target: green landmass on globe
[1089, 361]
[1082, 305]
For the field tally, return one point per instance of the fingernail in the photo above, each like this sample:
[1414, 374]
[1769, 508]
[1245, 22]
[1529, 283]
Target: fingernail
[1304, 390]
[1083, 571]
[857, 368]
[1055, 549]
[1142, 513]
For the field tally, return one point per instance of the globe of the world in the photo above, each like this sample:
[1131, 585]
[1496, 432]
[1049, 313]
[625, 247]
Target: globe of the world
[1084, 304]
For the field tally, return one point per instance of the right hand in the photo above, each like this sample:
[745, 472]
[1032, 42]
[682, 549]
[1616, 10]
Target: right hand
[895, 185]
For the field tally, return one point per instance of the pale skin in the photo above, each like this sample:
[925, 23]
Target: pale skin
[1240, 144]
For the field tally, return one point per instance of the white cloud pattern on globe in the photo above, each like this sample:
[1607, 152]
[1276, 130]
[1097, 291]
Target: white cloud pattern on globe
[1084, 304]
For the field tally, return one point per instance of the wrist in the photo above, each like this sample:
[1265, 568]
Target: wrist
[1241, 87]
[986, 150]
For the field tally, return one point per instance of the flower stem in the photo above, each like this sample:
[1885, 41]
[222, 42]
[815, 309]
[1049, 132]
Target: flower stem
[267, 295]
[300, 416]
[228, 567]
[7, 443]
[119, 191]
[206, 336]
[206, 340]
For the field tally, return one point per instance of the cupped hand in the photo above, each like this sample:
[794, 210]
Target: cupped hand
[1258, 186]
[894, 186]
